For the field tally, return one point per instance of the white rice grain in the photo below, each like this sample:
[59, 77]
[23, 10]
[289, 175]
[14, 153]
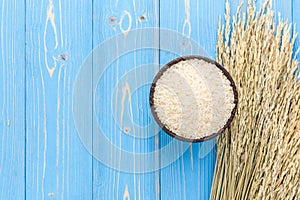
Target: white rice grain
[193, 99]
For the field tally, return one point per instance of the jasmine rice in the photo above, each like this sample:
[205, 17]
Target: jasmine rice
[193, 99]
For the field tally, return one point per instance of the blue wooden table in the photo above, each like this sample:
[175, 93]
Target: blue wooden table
[44, 47]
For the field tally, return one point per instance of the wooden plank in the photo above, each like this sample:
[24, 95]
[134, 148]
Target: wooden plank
[122, 76]
[190, 177]
[58, 38]
[12, 100]
[284, 8]
[296, 21]
[281, 8]
[284, 11]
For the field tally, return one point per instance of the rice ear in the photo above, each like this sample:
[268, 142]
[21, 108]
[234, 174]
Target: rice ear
[259, 156]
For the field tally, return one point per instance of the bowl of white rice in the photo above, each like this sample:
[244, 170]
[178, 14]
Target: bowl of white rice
[193, 98]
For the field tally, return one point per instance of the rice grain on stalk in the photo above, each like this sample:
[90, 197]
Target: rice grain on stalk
[258, 157]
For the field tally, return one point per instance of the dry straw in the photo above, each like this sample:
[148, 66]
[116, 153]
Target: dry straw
[259, 156]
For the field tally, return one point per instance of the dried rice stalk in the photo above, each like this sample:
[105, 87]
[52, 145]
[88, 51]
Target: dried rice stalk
[259, 156]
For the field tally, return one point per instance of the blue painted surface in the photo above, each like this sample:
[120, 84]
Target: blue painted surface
[110, 19]
[12, 100]
[190, 177]
[43, 44]
[58, 38]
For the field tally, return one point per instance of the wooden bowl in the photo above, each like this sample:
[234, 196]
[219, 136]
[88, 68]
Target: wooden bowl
[227, 75]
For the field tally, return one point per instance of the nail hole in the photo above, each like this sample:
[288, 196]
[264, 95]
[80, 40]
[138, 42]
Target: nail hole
[126, 130]
[51, 194]
[112, 19]
[62, 57]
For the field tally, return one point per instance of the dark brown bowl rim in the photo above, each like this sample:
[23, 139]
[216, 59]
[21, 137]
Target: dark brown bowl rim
[224, 71]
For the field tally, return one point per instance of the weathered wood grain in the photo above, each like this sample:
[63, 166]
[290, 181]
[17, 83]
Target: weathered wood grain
[190, 177]
[284, 8]
[58, 38]
[112, 18]
[41, 155]
[12, 99]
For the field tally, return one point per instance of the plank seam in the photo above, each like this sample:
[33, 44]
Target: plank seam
[25, 102]
[159, 142]
[92, 172]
